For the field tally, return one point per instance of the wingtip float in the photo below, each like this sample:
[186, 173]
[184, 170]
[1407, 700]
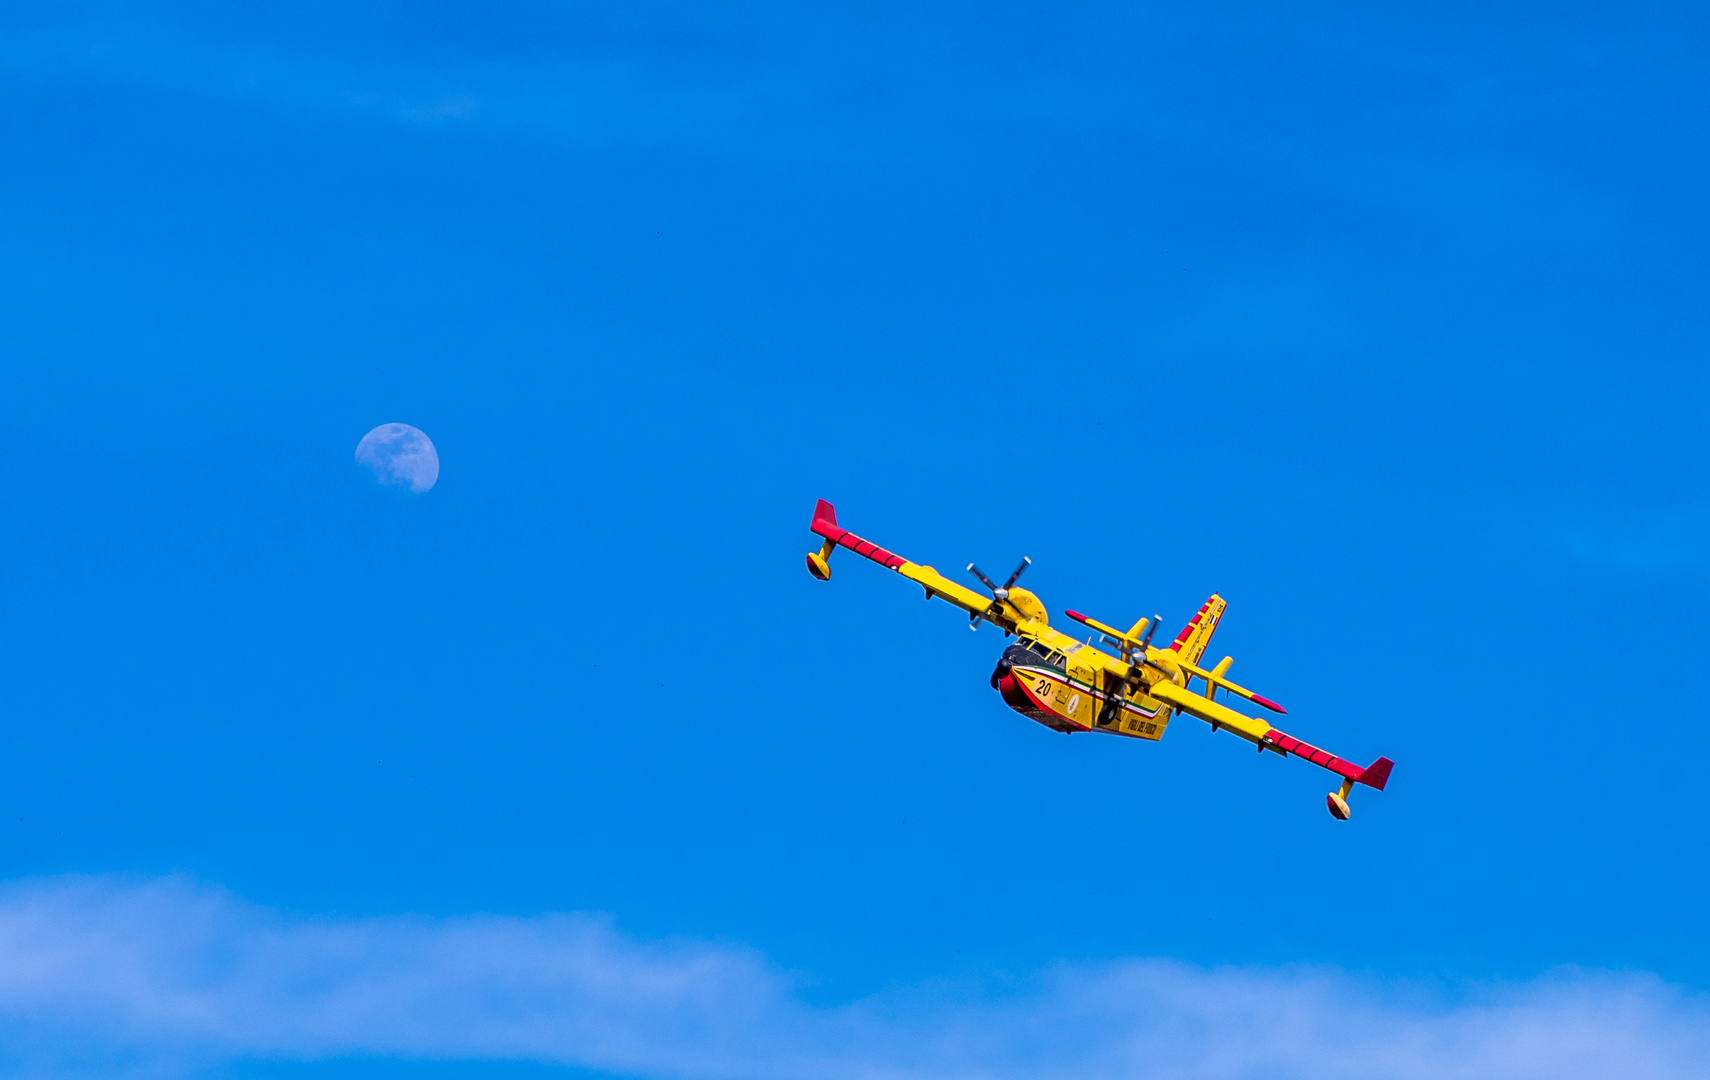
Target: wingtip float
[1068, 686]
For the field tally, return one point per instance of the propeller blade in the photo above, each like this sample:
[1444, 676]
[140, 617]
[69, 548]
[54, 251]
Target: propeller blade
[984, 580]
[1025, 563]
[1151, 628]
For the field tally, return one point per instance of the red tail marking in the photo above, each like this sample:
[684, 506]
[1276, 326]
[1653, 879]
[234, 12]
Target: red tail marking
[1187, 631]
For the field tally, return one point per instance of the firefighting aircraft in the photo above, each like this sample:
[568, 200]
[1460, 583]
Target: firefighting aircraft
[1068, 686]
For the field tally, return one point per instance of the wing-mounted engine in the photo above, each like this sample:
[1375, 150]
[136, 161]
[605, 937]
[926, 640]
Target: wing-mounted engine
[1025, 605]
[1028, 606]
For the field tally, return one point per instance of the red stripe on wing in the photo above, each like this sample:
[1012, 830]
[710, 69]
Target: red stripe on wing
[1322, 758]
[825, 524]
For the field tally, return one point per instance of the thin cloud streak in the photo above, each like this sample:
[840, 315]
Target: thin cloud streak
[167, 976]
[599, 97]
[1674, 540]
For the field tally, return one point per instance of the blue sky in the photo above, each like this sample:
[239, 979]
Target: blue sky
[1387, 325]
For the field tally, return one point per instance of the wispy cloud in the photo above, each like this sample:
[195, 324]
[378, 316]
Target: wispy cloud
[1673, 540]
[100, 975]
[588, 93]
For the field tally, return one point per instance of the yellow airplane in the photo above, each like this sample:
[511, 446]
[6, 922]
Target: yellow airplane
[1068, 686]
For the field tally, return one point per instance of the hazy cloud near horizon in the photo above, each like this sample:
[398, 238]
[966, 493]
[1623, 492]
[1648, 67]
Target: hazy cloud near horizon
[646, 73]
[102, 975]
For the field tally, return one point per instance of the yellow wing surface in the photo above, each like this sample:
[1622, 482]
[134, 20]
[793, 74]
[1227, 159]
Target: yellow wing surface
[1190, 646]
[935, 584]
[1266, 737]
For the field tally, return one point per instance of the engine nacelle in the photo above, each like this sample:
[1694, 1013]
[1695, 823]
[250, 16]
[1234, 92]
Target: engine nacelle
[1028, 605]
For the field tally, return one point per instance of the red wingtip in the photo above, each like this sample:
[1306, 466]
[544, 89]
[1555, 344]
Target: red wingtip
[825, 512]
[1376, 774]
[1075, 615]
[1269, 704]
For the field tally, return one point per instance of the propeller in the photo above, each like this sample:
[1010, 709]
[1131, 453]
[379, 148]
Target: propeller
[1113, 708]
[1151, 628]
[1146, 643]
[1000, 592]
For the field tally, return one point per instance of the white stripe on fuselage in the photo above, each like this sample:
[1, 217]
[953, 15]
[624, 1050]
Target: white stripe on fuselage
[1075, 685]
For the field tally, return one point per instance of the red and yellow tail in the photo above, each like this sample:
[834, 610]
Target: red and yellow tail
[1196, 635]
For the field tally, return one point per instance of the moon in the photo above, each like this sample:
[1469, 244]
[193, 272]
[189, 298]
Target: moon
[401, 457]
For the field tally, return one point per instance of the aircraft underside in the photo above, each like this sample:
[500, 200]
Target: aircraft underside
[1050, 696]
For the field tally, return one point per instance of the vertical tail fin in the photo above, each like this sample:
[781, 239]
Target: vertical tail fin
[1196, 635]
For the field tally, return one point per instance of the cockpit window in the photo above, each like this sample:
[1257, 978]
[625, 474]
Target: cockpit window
[1027, 653]
[1042, 651]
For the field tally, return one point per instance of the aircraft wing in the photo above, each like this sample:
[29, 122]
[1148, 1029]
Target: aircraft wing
[974, 603]
[1266, 737]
